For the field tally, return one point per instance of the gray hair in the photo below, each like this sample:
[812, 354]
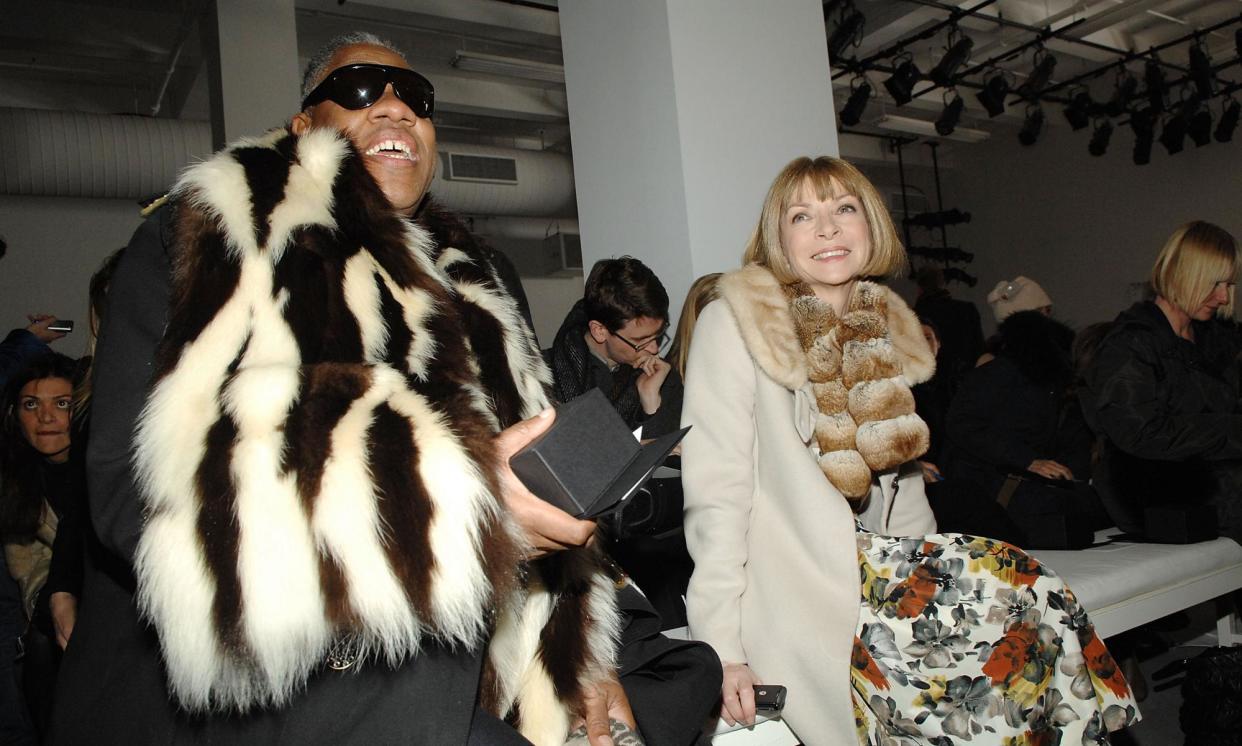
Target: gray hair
[317, 68]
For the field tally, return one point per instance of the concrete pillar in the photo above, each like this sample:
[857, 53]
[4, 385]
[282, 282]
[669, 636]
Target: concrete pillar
[252, 53]
[681, 113]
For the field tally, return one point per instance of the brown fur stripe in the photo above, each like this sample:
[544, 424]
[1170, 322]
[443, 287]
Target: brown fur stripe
[324, 330]
[404, 506]
[267, 170]
[204, 278]
[219, 532]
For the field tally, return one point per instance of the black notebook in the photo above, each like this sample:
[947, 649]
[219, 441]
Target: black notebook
[588, 462]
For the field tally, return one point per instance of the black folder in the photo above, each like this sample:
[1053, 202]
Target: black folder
[588, 462]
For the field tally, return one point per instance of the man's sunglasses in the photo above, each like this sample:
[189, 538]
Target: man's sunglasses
[359, 86]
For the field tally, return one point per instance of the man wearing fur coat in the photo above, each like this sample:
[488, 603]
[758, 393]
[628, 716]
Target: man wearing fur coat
[306, 394]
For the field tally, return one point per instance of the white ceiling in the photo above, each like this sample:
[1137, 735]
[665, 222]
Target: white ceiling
[114, 55]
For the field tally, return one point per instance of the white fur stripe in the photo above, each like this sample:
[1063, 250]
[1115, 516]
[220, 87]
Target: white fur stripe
[461, 501]
[363, 299]
[525, 365]
[347, 525]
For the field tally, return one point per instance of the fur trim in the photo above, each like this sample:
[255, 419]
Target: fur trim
[767, 328]
[763, 317]
[860, 367]
[316, 448]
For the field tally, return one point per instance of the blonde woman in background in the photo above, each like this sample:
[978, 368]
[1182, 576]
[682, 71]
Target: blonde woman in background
[702, 292]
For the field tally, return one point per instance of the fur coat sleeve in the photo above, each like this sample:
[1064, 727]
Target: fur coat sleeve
[315, 452]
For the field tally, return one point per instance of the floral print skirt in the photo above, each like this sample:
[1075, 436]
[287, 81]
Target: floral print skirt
[966, 639]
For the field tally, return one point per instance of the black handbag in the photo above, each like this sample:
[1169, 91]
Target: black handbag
[1211, 708]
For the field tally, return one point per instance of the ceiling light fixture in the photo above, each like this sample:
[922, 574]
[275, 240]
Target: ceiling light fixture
[951, 115]
[1228, 120]
[1078, 112]
[1153, 76]
[1201, 70]
[992, 97]
[1100, 137]
[1031, 125]
[928, 129]
[1045, 63]
[1127, 85]
[1199, 124]
[512, 67]
[848, 32]
[1173, 137]
[1144, 125]
[860, 93]
[903, 79]
[956, 56]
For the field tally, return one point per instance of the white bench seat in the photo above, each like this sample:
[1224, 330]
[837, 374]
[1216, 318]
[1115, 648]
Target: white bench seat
[1125, 584]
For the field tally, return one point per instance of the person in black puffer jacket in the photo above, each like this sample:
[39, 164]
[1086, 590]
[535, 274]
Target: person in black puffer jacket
[1163, 387]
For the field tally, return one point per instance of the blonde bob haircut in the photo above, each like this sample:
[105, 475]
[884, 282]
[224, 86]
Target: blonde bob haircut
[1195, 258]
[827, 178]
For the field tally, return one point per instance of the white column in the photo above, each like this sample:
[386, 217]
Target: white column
[254, 73]
[682, 112]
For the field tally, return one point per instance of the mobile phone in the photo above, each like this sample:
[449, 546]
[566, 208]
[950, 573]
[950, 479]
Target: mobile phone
[769, 697]
[60, 325]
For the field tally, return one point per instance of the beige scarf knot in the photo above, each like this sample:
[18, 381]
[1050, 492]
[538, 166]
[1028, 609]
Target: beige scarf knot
[866, 421]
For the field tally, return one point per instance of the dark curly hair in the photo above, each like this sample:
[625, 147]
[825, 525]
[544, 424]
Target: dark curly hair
[621, 290]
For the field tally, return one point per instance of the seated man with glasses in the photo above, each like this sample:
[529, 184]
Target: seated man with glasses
[612, 340]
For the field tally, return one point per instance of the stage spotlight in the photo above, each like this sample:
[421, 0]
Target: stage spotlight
[1199, 126]
[1173, 138]
[1228, 120]
[1100, 137]
[953, 59]
[857, 104]
[992, 97]
[903, 80]
[1032, 125]
[1201, 71]
[950, 116]
[1126, 87]
[1153, 76]
[1078, 112]
[1144, 125]
[1045, 63]
[848, 31]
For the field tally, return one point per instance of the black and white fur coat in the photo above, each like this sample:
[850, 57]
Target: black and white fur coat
[316, 449]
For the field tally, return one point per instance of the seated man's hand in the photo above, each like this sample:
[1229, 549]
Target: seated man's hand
[1045, 467]
[737, 694]
[652, 370]
[602, 703]
[64, 608]
[548, 528]
[38, 326]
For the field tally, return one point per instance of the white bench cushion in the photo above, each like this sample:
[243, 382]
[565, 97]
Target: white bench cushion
[1125, 584]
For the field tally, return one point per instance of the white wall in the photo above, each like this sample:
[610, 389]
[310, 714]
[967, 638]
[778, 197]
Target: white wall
[54, 246]
[550, 300]
[1081, 226]
[682, 113]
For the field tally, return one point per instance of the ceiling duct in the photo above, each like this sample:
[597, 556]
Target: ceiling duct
[71, 154]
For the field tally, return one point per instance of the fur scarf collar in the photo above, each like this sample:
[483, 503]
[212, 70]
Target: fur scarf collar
[316, 453]
[858, 370]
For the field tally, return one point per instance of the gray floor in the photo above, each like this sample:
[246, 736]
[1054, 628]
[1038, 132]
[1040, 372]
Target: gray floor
[1159, 726]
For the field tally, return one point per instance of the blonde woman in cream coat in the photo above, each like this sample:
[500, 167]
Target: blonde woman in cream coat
[776, 588]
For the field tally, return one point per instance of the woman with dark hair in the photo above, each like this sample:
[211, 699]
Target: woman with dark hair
[1163, 387]
[39, 487]
[816, 562]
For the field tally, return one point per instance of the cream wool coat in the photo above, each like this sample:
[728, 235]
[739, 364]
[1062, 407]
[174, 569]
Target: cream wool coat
[776, 581]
